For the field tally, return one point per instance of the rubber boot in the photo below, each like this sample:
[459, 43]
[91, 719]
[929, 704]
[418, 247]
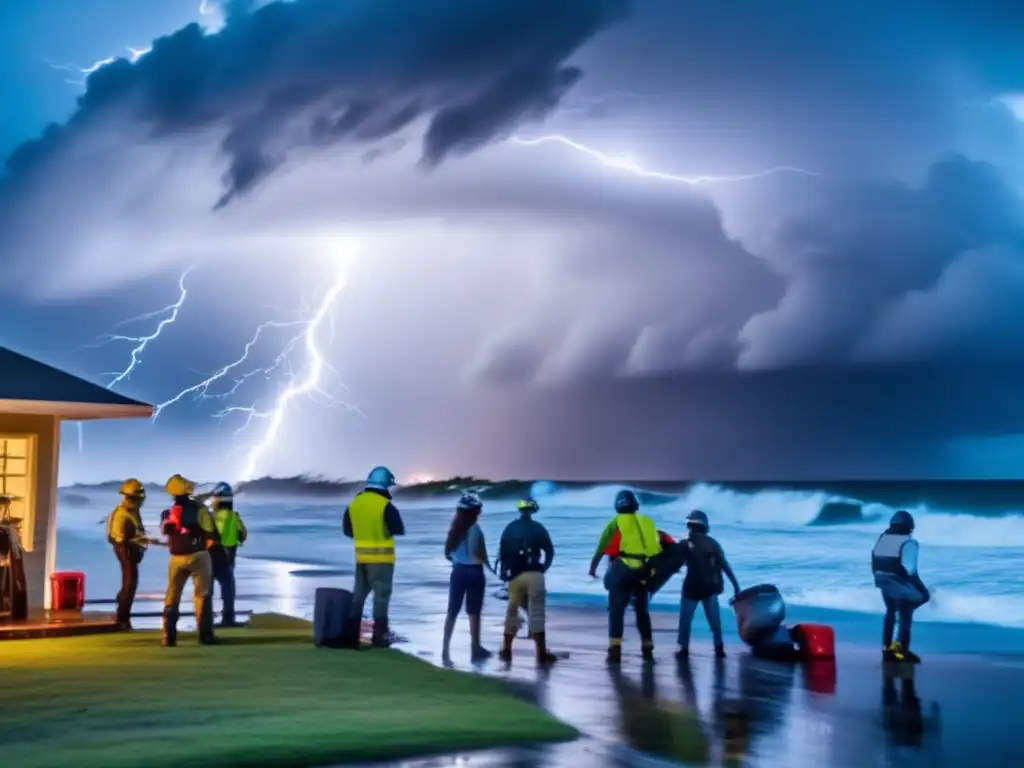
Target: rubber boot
[544, 656]
[169, 637]
[719, 651]
[380, 638]
[614, 654]
[479, 653]
[206, 636]
[647, 651]
[505, 654]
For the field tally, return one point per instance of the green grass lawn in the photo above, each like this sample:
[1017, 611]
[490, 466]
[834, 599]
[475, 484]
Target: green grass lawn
[266, 697]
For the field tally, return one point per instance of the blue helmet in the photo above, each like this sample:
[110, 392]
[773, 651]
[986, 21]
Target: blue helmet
[902, 519]
[470, 500]
[222, 491]
[626, 501]
[698, 519]
[381, 478]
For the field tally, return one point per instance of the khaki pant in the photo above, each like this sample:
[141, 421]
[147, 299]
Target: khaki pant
[526, 591]
[179, 569]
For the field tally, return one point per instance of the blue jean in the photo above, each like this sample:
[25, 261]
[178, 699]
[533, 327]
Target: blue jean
[467, 584]
[686, 612]
[897, 609]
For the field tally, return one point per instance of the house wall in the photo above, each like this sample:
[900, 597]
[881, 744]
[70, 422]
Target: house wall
[41, 560]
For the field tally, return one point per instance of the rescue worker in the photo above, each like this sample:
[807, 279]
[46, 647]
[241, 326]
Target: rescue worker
[521, 565]
[231, 533]
[125, 533]
[894, 565]
[372, 522]
[190, 531]
[705, 564]
[626, 577]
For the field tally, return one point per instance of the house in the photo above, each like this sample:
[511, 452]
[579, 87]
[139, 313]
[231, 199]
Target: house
[34, 399]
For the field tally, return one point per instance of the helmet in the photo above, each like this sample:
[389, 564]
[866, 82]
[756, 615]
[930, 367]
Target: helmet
[381, 478]
[222, 491]
[902, 519]
[698, 518]
[626, 501]
[179, 486]
[470, 500]
[133, 489]
[527, 505]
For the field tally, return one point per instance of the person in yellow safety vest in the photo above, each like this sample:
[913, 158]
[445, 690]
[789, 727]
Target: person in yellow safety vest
[124, 533]
[626, 577]
[190, 531]
[372, 522]
[232, 534]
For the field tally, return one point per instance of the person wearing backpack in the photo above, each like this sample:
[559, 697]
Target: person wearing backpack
[705, 564]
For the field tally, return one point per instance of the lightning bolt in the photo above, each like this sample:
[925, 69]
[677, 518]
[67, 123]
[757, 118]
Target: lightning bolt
[309, 384]
[632, 166]
[170, 315]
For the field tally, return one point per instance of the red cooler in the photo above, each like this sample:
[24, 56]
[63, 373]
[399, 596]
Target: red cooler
[816, 641]
[67, 591]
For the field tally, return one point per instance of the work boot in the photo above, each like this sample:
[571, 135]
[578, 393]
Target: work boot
[682, 654]
[505, 654]
[614, 654]
[544, 656]
[380, 637]
[169, 637]
[647, 652]
[205, 626]
[719, 651]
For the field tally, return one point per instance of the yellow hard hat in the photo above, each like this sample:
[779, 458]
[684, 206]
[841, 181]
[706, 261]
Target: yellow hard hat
[133, 489]
[179, 486]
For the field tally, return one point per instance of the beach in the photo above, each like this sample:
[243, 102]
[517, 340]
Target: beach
[960, 709]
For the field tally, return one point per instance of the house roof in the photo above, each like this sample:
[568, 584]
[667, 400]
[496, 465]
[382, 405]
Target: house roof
[28, 386]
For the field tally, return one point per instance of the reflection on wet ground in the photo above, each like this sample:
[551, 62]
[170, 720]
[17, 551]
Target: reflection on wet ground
[951, 711]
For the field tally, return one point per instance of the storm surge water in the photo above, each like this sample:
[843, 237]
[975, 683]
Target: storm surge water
[815, 545]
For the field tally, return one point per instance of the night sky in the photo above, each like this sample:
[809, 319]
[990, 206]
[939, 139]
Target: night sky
[560, 238]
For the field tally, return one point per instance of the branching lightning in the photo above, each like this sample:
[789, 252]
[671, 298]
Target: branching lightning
[170, 315]
[632, 166]
[235, 373]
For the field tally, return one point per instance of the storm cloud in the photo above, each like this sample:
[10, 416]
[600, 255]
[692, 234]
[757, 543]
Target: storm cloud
[296, 73]
[568, 315]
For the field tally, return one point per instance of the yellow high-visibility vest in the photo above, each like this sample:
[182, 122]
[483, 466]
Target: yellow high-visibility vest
[373, 542]
[639, 539]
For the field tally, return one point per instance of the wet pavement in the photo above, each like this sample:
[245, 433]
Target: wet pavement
[953, 710]
[950, 711]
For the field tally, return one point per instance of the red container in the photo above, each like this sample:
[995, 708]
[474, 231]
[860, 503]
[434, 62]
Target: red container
[67, 591]
[816, 641]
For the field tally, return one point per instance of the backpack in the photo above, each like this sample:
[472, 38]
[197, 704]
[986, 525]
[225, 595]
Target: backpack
[704, 567]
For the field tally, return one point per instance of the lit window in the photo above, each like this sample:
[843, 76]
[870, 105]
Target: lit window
[17, 486]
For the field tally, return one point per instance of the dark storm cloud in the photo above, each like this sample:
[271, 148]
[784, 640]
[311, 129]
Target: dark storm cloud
[292, 73]
[869, 275]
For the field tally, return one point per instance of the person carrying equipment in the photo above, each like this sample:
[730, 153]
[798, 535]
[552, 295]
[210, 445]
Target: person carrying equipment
[520, 565]
[626, 577]
[190, 532]
[125, 533]
[232, 534]
[372, 522]
[705, 564]
[894, 565]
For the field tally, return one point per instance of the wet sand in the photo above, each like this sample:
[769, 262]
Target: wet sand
[954, 710]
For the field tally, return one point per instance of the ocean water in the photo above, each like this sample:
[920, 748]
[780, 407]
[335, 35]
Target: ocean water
[970, 558]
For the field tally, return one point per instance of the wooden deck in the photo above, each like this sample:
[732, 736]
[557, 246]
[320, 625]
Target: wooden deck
[58, 624]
